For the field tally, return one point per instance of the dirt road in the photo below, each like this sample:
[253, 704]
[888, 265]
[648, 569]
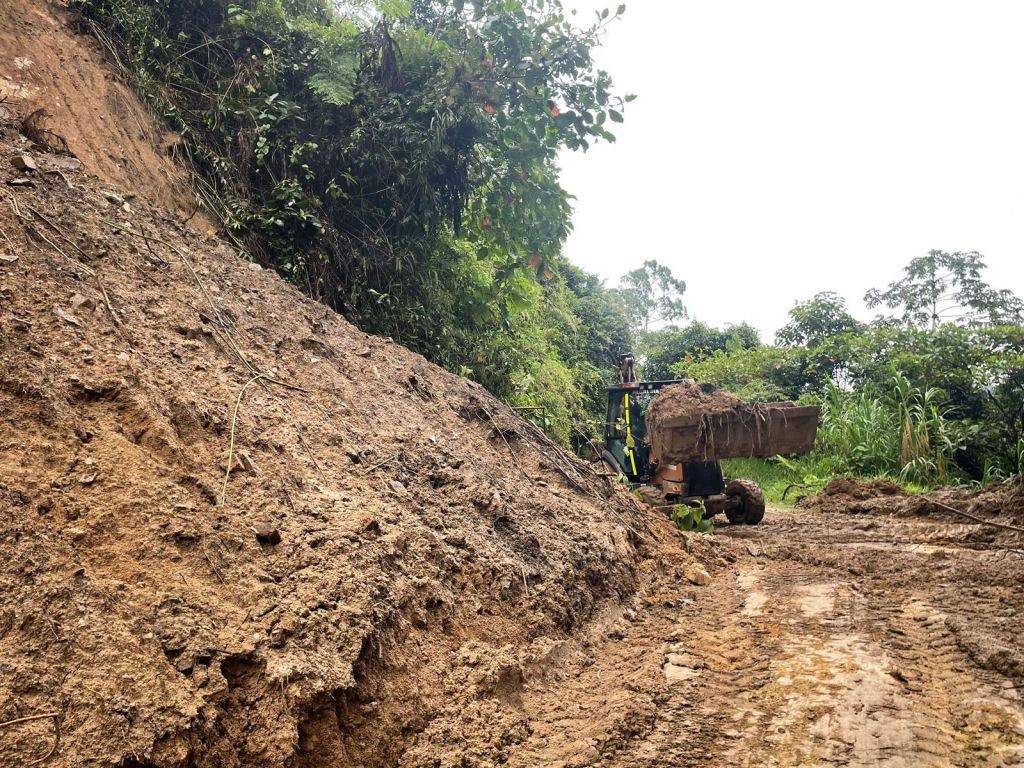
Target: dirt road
[822, 640]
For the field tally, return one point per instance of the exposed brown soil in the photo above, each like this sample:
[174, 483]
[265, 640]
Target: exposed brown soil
[689, 401]
[1002, 504]
[45, 66]
[820, 641]
[388, 531]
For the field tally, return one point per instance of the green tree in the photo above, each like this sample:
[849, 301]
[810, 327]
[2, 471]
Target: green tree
[820, 318]
[759, 373]
[946, 287]
[652, 294]
[663, 350]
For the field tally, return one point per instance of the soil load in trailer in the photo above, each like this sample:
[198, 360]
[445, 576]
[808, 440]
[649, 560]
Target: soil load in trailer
[690, 422]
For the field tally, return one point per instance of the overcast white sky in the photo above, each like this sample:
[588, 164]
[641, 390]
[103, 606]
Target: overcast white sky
[782, 148]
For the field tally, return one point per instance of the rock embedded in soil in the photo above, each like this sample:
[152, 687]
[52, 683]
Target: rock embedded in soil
[64, 163]
[267, 534]
[695, 573]
[24, 163]
[78, 301]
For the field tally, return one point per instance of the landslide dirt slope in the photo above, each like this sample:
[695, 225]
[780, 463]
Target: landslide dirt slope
[434, 548]
[45, 66]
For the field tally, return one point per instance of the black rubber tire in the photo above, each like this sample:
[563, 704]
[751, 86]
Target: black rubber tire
[749, 492]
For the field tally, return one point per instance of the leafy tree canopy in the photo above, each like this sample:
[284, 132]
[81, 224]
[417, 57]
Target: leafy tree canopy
[946, 287]
[668, 352]
[652, 295]
[820, 318]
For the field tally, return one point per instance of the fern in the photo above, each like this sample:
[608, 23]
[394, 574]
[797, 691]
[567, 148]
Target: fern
[335, 83]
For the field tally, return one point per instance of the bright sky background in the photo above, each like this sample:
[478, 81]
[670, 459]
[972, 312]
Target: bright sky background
[782, 148]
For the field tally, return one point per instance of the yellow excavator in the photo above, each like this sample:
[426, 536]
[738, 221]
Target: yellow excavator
[682, 457]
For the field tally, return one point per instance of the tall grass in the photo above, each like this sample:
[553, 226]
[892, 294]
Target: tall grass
[858, 433]
[906, 434]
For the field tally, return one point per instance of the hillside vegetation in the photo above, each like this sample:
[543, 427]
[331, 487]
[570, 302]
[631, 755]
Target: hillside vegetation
[396, 160]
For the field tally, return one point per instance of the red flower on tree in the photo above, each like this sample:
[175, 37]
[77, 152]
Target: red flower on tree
[489, 107]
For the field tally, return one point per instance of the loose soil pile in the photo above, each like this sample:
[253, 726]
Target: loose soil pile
[690, 401]
[679, 420]
[697, 422]
[392, 556]
[1002, 504]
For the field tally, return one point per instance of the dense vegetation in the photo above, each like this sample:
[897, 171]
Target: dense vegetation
[913, 396]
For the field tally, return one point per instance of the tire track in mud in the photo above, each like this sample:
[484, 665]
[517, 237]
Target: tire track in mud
[826, 653]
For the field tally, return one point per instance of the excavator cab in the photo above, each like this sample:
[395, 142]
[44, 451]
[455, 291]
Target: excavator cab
[628, 451]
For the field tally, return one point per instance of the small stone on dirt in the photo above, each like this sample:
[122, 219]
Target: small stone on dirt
[676, 674]
[78, 301]
[397, 487]
[24, 163]
[20, 183]
[114, 198]
[267, 534]
[236, 464]
[697, 574]
[8, 258]
[247, 463]
[65, 163]
[754, 551]
[69, 319]
[586, 754]
[89, 479]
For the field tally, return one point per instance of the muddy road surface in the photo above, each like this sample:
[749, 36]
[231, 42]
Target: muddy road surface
[821, 640]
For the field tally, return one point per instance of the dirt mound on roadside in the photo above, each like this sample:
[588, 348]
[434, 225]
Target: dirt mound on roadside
[236, 531]
[1002, 503]
[838, 494]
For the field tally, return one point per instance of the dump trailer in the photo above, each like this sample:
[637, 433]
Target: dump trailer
[679, 451]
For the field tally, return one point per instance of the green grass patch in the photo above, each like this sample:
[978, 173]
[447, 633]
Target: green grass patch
[786, 480]
[775, 477]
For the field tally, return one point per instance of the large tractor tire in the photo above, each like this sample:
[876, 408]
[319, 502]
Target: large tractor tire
[751, 510]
